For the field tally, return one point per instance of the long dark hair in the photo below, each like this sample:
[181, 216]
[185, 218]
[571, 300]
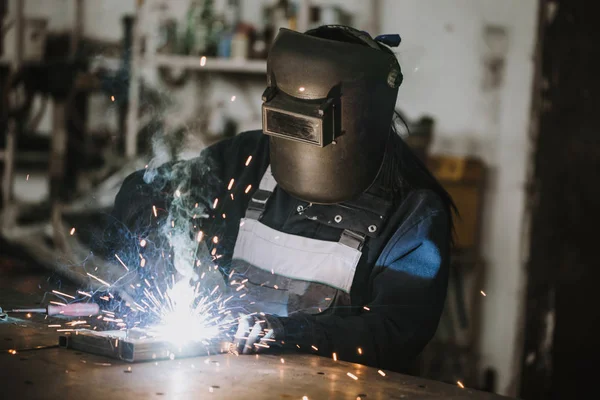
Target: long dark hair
[402, 171]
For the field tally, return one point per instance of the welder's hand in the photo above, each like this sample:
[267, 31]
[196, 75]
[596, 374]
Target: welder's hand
[256, 333]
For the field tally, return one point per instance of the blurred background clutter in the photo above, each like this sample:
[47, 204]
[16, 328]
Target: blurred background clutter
[93, 90]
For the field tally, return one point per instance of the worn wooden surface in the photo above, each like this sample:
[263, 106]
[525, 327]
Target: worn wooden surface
[51, 372]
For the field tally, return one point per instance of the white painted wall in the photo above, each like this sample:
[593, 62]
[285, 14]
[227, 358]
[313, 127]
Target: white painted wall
[441, 54]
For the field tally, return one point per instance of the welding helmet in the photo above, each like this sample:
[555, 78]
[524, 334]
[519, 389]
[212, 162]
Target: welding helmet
[328, 108]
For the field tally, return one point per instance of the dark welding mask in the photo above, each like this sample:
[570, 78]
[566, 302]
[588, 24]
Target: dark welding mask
[328, 108]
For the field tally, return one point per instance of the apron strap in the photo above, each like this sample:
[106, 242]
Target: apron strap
[353, 239]
[259, 199]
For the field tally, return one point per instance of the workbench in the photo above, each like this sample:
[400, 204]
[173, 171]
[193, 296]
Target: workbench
[39, 369]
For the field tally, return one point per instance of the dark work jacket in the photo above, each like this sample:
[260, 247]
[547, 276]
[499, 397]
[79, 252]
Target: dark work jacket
[399, 288]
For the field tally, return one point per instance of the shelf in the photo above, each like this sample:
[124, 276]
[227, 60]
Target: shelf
[211, 64]
[28, 157]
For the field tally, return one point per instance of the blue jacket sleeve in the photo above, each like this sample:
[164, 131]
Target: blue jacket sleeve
[408, 292]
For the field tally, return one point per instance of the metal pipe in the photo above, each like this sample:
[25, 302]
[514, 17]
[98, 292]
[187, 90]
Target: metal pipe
[69, 310]
[303, 16]
[58, 152]
[19, 34]
[11, 131]
[77, 32]
[134, 85]
[375, 22]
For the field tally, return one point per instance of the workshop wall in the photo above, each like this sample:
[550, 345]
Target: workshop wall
[469, 64]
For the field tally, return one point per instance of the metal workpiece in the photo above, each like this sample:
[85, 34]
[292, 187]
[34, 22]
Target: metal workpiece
[134, 346]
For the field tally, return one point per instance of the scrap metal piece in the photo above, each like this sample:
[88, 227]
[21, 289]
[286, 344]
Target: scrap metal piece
[133, 346]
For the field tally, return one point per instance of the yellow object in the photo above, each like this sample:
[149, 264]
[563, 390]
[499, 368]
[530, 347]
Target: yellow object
[463, 178]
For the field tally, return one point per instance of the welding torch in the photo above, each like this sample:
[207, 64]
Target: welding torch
[68, 310]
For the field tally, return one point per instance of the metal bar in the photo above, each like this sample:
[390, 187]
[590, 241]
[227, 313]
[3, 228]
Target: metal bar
[57, 172]
[375, 20]
[77, 32]
[8, 172]
[303, 16]
[11, 132]
[19, 34]
[134, 85]
[28, 310]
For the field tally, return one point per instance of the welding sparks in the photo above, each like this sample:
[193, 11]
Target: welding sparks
[143, 243]
[483, 293]
[334, 357]
[282, 361]
[122, 263]
[27, 177]
[215, 203]
[248, 160]
[304, 397]
[63, 294]
[202, 61]
[112, 98]
[460, 384]
[315, 347]
[98, 279]
[154, 211]
[359, 351]
[351, 375]
[72, 231]
[380, 372]
[56, 303]
[12, 351]
[367, 308]
[185, 316]
[73, 323]
[232, 98]
[248, 188]
[215, 240]
[301, 89]
[200, 236]
[230, 184]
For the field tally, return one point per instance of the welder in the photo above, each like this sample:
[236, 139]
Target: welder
[340, 235]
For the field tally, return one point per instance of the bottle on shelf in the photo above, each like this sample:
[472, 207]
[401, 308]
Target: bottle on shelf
[231, 19]
[241, 44]
[280, 15]
[199, 36]
[268, 33]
